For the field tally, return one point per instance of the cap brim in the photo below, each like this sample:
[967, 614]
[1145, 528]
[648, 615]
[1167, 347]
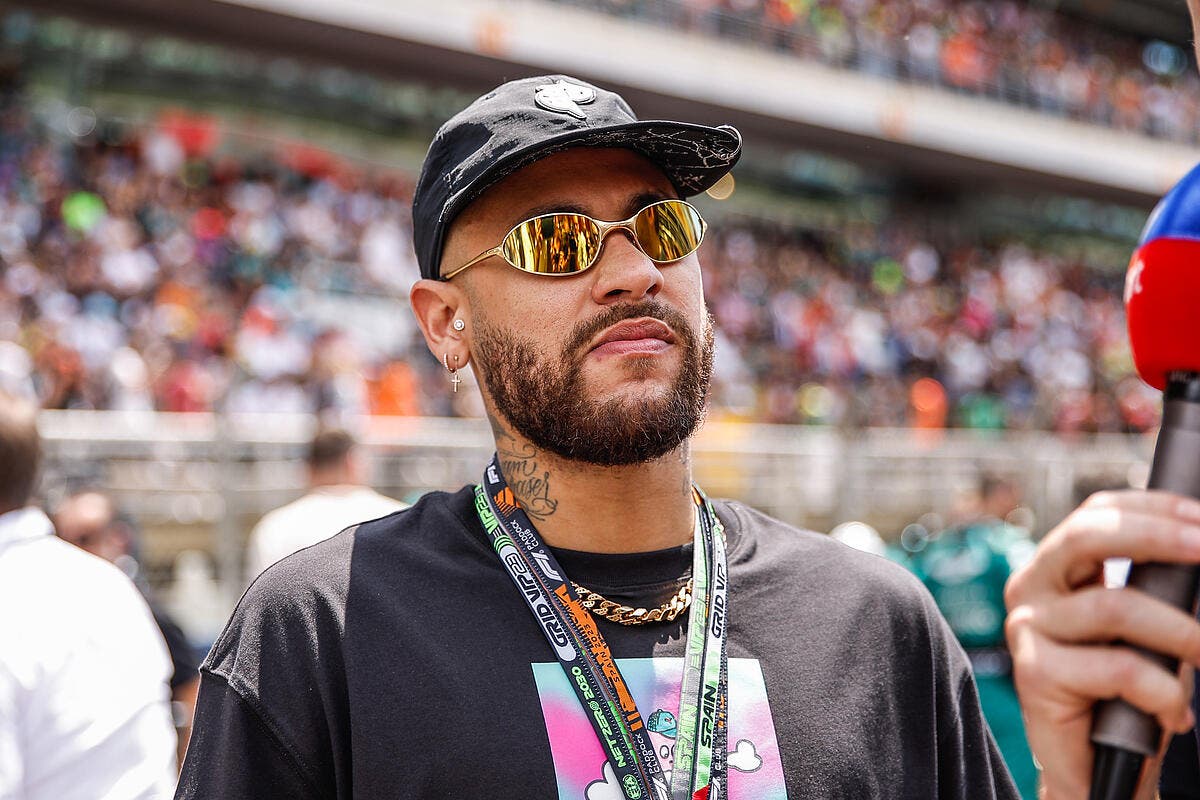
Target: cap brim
[693, 157]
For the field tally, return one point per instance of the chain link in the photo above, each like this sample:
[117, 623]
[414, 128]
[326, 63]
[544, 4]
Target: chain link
[628, 615]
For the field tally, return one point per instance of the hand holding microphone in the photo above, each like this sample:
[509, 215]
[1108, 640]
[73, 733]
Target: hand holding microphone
[1069, 634]
[1162, 299]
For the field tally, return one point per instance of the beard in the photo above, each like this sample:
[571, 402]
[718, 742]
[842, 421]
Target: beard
[546, 399]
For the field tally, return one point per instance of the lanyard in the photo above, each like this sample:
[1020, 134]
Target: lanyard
[701, 748]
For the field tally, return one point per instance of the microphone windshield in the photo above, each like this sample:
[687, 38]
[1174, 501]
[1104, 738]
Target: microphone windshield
[1162, 287]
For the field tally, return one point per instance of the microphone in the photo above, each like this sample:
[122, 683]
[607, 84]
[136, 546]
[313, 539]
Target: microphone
[1162, 299]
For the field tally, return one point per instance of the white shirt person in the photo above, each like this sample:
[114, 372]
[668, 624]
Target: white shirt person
[84, 697]
[337, 498]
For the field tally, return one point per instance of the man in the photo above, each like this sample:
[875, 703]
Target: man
[584, 624]
[89, 521]
[83, 671]
[336, 499]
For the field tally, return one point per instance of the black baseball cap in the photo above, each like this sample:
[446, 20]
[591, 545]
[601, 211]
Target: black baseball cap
[524, 120]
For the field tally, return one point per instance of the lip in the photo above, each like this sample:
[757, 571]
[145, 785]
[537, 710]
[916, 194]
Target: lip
[643, 335]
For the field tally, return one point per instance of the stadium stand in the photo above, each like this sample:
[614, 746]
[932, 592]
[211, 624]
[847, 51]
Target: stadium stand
[144, 273]
[1018, 52]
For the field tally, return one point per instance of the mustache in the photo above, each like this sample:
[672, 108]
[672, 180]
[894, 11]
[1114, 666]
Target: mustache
[583, 333]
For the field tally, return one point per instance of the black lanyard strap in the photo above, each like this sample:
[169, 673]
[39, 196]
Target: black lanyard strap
[701, 755]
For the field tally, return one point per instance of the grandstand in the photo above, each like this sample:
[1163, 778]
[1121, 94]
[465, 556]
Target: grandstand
[204, 209]
[718, 73]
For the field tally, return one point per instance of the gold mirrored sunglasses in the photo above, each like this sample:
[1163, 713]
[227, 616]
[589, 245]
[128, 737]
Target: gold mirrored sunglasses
[567, 243]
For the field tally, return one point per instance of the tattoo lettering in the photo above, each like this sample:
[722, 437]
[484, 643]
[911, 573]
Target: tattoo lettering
[529, 482]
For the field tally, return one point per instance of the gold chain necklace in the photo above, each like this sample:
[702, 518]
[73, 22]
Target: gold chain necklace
[628, 615]
[601, 606]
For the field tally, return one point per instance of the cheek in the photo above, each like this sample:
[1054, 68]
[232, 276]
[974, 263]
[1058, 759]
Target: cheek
[686, 292]
[535, 316]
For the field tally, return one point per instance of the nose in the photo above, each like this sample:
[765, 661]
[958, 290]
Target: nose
[624, 272]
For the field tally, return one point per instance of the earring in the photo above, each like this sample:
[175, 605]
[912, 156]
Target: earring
[459, 324]
[454, 379]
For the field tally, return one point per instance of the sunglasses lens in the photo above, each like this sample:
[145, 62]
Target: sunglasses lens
[556, 244]
[669, 230]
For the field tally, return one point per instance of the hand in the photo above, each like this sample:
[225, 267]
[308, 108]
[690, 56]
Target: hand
[1062, 623]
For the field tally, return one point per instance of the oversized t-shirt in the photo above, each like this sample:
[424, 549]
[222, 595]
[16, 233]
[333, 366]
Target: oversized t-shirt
[397, 660]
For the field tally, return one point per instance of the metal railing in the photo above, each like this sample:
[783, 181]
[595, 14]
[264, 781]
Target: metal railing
[206, 472]
[195, 484]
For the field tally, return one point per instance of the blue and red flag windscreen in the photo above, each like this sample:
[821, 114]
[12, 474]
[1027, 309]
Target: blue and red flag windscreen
[1162, 287]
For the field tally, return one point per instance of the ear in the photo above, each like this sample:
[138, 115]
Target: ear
[436, 305]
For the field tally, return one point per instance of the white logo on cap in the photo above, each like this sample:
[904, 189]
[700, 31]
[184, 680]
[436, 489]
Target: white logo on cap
[564, 98]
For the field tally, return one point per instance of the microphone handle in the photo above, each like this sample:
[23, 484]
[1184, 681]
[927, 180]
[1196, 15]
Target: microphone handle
[1123, 735]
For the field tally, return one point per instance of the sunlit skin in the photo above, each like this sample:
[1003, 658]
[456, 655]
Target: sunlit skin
[636, 508]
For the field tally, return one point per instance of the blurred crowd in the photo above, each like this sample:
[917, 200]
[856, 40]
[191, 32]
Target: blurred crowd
[149, 269]
[877, 327]
[1014, 51]
[140, 272]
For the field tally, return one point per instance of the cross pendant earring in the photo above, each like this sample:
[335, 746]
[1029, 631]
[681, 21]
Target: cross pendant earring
[454, 379]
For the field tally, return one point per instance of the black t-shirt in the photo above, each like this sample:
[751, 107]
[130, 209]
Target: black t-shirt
[397, 660]
[1181, 766]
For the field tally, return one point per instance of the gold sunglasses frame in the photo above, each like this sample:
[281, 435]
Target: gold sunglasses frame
[605, 229]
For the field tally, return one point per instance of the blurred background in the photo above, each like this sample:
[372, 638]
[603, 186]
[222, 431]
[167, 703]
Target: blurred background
[205, 246]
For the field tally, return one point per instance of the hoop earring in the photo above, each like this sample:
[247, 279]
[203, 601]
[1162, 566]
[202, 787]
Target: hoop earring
[454, 379]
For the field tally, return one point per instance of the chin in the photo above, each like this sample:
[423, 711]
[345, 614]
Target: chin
[642, 369]
[636, 382]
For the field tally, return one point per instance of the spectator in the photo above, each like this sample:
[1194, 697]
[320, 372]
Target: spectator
[84, 711]
[336, 499]
[965, 568]
[89, 520]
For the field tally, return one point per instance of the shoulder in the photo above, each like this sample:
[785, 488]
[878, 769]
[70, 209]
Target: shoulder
[808, 551]
[820, 569]
[323, 511]
[850, 605]
[324, 566]
[303, 596]
[438, 521]
[71, 603]
[39, 569]
[379, 504]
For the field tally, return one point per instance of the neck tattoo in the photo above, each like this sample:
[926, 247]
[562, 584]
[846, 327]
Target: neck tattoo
[528, 480]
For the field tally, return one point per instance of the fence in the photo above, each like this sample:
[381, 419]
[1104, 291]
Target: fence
[196, 483]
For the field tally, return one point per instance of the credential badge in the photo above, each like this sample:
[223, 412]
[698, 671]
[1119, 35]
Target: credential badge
[564, 98]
